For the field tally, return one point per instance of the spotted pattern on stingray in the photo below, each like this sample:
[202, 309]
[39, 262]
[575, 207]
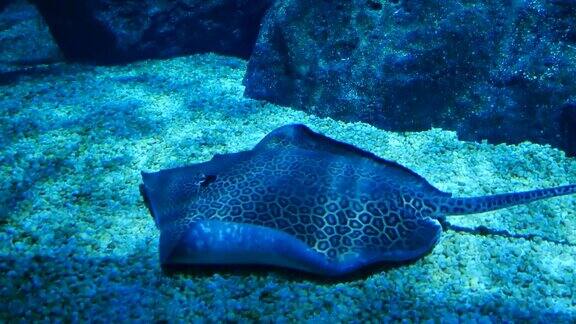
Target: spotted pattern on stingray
[303, 200]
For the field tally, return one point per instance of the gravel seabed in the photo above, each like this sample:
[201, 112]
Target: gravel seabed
[77, 243]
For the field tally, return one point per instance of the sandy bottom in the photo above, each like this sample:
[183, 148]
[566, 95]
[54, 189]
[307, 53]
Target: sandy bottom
[77, 243]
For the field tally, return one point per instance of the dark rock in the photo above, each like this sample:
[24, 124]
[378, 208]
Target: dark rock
[4, 4]
[114, 31]
[491, 70]
[25, 41]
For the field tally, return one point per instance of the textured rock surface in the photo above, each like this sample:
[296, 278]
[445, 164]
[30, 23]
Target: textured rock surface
[111, 31]
[25, 42]
[492, 70]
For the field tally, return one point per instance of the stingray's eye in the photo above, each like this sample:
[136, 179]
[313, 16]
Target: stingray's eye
[205, 180]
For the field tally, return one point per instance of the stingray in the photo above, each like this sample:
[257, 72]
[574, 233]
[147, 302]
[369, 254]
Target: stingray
[304, 201]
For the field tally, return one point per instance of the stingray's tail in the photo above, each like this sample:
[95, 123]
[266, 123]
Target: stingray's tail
[472, 205]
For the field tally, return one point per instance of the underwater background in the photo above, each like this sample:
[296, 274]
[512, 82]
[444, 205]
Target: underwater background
[92, 95]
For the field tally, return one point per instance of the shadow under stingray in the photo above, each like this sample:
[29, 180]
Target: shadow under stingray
[287, 274]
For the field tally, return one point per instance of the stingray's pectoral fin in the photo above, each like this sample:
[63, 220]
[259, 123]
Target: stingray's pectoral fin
[217, 242]
[405, 244]
[423, 238]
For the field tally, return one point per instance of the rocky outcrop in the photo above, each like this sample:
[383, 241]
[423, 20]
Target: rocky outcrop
[4, 4]
[501, 71]
[114, 31]
[26, 43]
